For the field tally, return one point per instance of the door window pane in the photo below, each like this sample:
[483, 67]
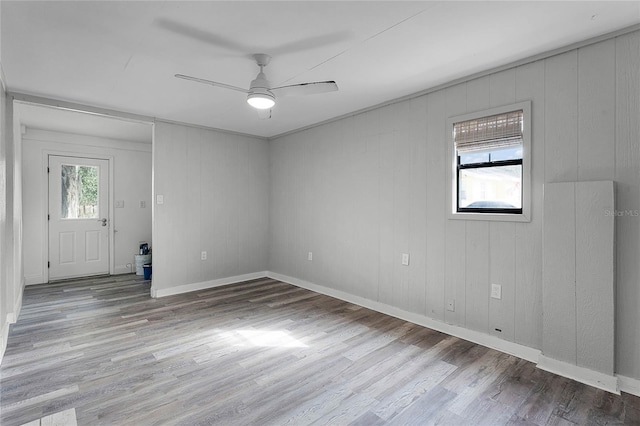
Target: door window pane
[79, 192]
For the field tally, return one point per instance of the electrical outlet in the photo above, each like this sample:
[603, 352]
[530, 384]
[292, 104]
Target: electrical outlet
[203, 255]
[405, 259]
[310, 256]
[143, 204]
[451, 305]
[496, 291]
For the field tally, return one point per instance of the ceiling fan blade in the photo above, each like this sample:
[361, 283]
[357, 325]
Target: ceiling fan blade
[200, 35]
[264, 113]
[305, 89]
[310, 43]
[212, 83]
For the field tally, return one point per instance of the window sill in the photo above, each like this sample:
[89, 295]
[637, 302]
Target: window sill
[493, 217]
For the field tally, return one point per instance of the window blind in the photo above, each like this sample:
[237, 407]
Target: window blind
[495, 131]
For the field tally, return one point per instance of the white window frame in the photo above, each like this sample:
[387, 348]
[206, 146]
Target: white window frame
[452, 175]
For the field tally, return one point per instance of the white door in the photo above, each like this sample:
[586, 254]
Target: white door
[78, 217]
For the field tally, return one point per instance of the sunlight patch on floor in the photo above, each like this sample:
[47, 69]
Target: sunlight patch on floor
[263, 338]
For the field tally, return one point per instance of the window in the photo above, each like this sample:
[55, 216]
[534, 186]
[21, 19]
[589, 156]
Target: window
[79, 192]
[490, 164]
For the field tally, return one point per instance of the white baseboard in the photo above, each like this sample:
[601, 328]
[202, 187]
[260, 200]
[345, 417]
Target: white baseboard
[521, 351]
[580, 374]
[186, 288]
[629, 385]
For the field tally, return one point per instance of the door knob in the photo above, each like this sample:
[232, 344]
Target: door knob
[104, 221]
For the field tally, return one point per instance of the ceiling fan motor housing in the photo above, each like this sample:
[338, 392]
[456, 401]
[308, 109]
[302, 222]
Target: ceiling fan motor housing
[260, 95]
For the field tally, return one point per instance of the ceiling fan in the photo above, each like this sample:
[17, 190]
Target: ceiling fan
[261, 95]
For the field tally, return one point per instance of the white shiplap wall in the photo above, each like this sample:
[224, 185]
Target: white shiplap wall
[215, 189]
[361, 191]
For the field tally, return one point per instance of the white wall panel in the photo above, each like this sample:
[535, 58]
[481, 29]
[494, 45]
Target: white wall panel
[502, 234]
[559, 273]
[561, 118]
[595, 275]
[578, 289]
[415, 115]
[436, 198]
[596, 111]
[627, 172]
[528, 249]
[477, 234]
[455, 230]
[204, 178]
[502, 243]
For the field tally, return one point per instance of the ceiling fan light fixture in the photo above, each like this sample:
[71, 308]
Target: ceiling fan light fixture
[261, 99]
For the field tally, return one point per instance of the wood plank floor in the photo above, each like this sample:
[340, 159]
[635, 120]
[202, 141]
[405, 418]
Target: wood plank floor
[265, 353]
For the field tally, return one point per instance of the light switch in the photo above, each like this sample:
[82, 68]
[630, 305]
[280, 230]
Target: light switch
[405, 259]
[159, 199]
[119, 204]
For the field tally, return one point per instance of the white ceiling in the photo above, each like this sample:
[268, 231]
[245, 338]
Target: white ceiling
[123, 55]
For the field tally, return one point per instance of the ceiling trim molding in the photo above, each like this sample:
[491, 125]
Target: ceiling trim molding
[213, 129]
[528, 60]
[76, 107]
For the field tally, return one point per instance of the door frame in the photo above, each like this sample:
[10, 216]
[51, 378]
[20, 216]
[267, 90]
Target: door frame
[45, 222]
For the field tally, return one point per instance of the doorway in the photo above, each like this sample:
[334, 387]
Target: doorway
[78, 217]
[45, 130]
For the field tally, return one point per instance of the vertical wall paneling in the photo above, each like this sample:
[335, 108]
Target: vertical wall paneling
[477, 234]
[596, 111]
[417, 226]
[559, 276]
[192, 208]
[207, 207]
[402, 170]
[561, 118]
[595, 275]
[168, 254]
[502, 272]
[528, 248]
[627, 172]
[436, 195]
[366, 199]
[477, 275]
[455, 241]
[298, 239]
[386, 186]
[502, 234]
